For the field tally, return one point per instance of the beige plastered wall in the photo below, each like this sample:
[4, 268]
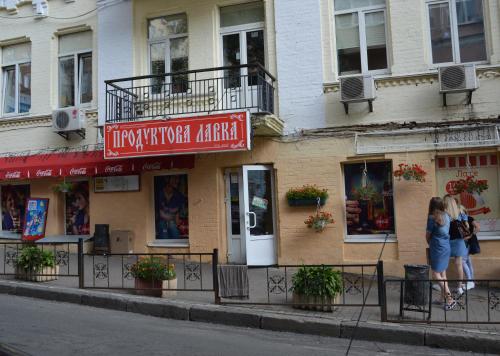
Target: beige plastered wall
[315, 161]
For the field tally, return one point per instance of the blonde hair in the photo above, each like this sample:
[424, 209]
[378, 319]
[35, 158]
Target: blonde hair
[451, 207]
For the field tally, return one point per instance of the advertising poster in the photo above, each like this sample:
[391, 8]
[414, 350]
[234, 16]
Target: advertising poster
[77, 209]
[475, 186]
[13, 206]
[171, 207]
[369, 198]
[36, 219]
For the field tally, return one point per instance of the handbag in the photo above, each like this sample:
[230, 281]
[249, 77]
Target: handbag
[473, 245]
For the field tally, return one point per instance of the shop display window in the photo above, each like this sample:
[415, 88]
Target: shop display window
[77, 209]
[171, 207]
[13, 206]
[369, 199]
[475, 185]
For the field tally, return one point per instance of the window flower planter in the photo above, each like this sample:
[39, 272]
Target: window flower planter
[306, 202]
[155, 288]
[306, 196]
[44, 275]
[311, 302]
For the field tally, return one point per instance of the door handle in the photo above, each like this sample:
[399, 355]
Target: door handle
[254, 220]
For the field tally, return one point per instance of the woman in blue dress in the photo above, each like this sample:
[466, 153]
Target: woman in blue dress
[457, 243]
[438, 238]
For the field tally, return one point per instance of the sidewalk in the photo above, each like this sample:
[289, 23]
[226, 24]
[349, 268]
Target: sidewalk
[337, 324]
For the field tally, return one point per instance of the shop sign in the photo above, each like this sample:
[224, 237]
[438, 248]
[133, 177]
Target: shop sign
[187, 135]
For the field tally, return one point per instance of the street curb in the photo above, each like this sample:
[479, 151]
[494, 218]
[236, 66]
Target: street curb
[474, 341]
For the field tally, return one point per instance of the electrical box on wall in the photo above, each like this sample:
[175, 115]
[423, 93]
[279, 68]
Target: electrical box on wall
[122, 241]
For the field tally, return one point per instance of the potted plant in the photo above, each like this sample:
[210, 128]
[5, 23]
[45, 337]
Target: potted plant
[34, 264]
[413, 172]
[307, 195]
[152, 275]
[316, 288]
[366, 196]
[319, 221]
[63, 187]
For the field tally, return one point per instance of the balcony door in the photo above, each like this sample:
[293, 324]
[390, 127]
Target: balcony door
[242, 42]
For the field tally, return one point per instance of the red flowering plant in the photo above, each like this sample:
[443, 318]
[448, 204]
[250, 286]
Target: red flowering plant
[319, 221]
[470, 185]
[413, 172]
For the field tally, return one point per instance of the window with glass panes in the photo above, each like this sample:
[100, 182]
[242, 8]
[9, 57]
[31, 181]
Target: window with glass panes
[457, 31]
[168, 53]
[361, 36]
[75, 69]
[16, 78]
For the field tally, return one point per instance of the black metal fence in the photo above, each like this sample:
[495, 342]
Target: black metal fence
[421, 301]
[243, 87]
[65, 258]
[273, 285]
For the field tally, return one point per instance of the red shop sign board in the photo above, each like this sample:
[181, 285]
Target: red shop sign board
[198, 134]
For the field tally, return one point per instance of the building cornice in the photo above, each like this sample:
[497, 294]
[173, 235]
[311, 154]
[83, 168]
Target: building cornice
[40, 120]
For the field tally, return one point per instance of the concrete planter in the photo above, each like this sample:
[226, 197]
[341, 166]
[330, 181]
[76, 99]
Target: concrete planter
[50, 272]
[155, 288]
[301, 301]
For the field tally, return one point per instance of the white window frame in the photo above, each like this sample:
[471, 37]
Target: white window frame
[455, 42]
[182, 243]
[366, 238]
[16, 65]
[166, 42]
[77, 79]
[361, 12]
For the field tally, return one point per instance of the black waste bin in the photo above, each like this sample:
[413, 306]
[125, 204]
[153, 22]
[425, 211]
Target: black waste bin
[101, 239]
[417, 285]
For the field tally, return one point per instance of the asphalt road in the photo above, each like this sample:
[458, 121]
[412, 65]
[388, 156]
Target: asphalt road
[37, 327]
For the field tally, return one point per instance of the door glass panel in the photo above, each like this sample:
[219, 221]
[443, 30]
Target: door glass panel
[439, 17]
[157, 66]
[232, 57]
[255, 54]
[236, 15]
[234, 191]
[179, 63]
[260, 203]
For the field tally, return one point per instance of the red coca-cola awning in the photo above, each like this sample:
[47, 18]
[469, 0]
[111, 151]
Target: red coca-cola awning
[88, 163]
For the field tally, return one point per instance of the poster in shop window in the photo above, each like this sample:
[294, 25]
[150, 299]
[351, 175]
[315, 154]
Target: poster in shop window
[13, 206]
[77, 209]
[369, 198]
[36, 219]
[171, 207]
[474, 184]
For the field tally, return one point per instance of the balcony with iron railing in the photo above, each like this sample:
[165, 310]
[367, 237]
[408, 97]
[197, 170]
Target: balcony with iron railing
[244, 87]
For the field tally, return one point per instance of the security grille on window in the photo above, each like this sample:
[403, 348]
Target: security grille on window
[16, 74]
[457, 31]
[168, 53]
[361, 36]
[75, 69]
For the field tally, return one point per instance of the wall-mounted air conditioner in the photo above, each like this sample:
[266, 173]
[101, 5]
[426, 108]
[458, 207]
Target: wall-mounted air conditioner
[68, 120]
[359, 88]
[458, 79]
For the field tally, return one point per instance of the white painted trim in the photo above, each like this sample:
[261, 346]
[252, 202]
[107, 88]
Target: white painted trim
[169, 244]
[369, 239]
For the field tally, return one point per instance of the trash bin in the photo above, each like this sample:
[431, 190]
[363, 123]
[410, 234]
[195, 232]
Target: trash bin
[417, 285]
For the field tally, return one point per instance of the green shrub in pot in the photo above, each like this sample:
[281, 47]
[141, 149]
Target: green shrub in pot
[306, 195]
[316, 285]
[34, 259]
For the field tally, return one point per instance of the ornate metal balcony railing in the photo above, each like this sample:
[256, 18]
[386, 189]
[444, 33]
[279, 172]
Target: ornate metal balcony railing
[244, 87]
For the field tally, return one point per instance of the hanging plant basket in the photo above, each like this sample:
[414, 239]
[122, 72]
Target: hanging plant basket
[307, 196]
[319, 221]
[414, 172]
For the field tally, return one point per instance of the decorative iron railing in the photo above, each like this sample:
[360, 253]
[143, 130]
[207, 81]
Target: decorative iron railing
[244, 87]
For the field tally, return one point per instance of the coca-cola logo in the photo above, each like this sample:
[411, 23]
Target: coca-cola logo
[78, 171]
[151, 166]
[114, 169]
[13, 175]
[44, 173]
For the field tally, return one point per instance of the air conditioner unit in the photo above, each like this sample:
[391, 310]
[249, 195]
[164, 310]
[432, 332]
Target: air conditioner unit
[357, 89]
[458, 78]
[68, 119]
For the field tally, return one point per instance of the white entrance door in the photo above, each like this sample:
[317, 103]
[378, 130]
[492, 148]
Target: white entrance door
[259, 215]
[240, 85]
[251, 226]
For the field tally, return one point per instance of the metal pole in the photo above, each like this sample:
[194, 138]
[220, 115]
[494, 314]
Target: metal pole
[215, 263]
[80, 263]
[382, 300]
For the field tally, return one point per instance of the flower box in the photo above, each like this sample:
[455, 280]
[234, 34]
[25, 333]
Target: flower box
[155, 288]
[307, 302]
[44, 275]
[306, 202]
